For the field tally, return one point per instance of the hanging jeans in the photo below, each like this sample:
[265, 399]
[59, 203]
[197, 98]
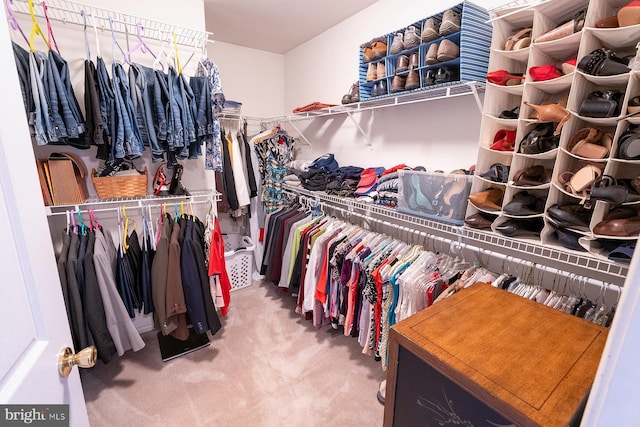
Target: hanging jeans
[41, 119]
[68, 123]
[94, 134]
[22, 64]
[126, 140]
[141, 86]
[204, 110]
[107, 108]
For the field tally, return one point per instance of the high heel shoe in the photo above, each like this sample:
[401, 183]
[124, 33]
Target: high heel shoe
[504, 140]
[505, 78]
[570, 27]
[551, 113]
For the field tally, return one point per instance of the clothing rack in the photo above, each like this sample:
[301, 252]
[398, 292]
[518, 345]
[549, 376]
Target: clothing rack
[69, 12]
[540, 274]
[457, 242]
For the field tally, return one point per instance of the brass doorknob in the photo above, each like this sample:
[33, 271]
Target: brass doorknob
[85, 358]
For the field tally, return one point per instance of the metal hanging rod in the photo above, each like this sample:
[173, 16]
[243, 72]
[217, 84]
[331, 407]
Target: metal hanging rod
[70, 12]
[140, 205]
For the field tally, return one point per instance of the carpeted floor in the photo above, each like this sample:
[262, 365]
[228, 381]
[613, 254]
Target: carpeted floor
[266, 367]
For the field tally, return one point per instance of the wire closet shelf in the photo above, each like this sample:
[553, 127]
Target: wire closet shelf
[571, 262]
[70, 12]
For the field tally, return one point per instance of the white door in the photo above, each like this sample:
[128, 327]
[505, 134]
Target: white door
[32, 314]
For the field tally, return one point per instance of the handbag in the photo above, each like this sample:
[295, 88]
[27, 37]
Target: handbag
[580, 182]
[601, 104]
[603, 62]
[539, 140]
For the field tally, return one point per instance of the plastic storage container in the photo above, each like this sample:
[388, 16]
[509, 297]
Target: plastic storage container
[434, 195]
[238, 256]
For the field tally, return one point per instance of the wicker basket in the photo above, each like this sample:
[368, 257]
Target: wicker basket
[113, 187]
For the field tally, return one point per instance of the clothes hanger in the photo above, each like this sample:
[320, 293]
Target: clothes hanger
[175, 47]
[50, 36]
[114, 42]
[68, 221]
[35, 29]
[125, 232]
[12, 20]
[83, 227]
[95, 32]
[73, 223]
[144, 48]
[86, 37]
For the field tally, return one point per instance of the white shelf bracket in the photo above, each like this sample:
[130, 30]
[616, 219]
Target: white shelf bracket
[476, 95]
[365, 134]
[299, 133]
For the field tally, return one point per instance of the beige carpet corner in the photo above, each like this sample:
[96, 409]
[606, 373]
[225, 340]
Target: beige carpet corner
[266, 367]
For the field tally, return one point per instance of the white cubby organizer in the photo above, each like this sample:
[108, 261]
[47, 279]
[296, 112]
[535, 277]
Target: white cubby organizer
[573, 87]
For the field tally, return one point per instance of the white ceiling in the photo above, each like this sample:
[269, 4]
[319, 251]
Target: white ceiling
[276, 25]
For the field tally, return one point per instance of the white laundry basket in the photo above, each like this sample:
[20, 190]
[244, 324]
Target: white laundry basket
[238, 255]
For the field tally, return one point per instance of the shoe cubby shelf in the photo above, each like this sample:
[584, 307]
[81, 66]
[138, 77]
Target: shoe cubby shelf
[572, 88]
[473, 41]
[196, 196]
[529, 250]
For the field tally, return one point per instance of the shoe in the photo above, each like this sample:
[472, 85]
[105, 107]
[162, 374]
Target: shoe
[571, 216]
[450, 22]
[504, 78]
[429, 77]
[367, 53]
[489, 199]
[411, 37]
[397, 44]
[398, 83]
[414, 62]
[614, 191]
[524, 204]
[504, 140]
[629, 144]
[512, 114]
[551, 113]
[545, 72]
[431, 30]
[402, 64]
[413, 80]
[379, 88]
[608, 22]
[480, 221]
[353, 95]
[432, 54]
[604, 62]
[569, 66]
[371, 72]
[497, 173]
[532, 176]
[381, 71]
[521, 227]
[447, 50]
[601, 104]
[375, 89]
[572, 26]
[382, 388]
[630, 14]
[520, 40]
[444, 75]
[627, 227]
[634, 105]
[379, 48]
[590, 143]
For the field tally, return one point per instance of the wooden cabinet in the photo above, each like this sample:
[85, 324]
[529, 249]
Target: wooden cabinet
[485, 357]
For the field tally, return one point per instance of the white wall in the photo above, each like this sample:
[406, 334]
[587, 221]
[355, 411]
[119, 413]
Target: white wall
[324, 68]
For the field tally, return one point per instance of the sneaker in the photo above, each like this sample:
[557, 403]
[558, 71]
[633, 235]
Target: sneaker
[397, 45]
[431, 30]
[411, 37]
[450, 22]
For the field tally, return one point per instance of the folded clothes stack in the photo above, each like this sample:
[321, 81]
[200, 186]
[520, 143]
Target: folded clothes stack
[388, 186]
[344, 181]
[368, 184]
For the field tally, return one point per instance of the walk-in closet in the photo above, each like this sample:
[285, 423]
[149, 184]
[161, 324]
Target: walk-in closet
[232, 213]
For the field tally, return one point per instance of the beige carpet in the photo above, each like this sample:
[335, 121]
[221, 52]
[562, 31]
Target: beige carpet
[266, 367]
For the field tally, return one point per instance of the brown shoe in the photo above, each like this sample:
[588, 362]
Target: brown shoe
[431, 30]
[371, 72]
[397, 45]
[379, 47]
[397, 85]
[381, 72]
[432, 54]
[366, 53]
[413, 80]
[447, 50]
[450, 22]
[414, 62]
[403, 64]
[411, 37]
